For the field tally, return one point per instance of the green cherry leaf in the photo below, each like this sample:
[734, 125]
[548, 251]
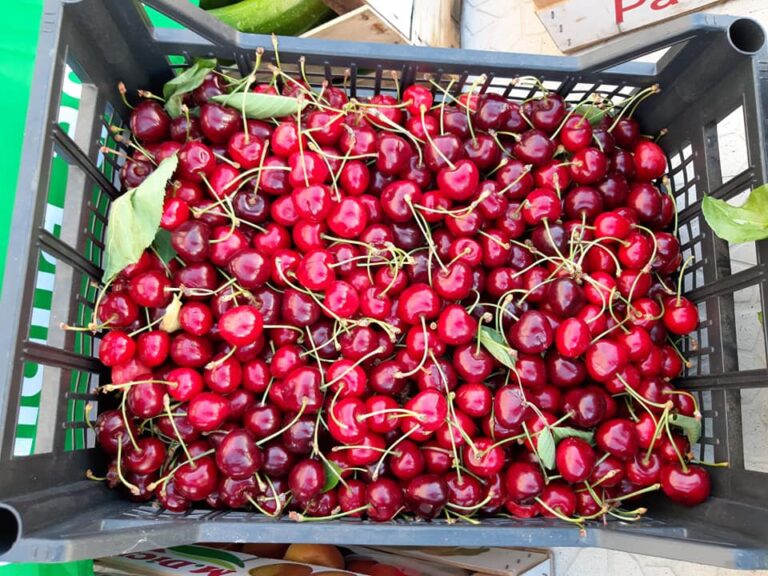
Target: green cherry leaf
[332, 475]
[545, 448]
[191, 78]
[745, 223]
[562, 432]
[162, 245]
[134, 219]
[493, 341]
[260, 106]
[689, 425]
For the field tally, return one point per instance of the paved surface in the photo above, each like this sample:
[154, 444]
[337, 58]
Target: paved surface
[514, 27]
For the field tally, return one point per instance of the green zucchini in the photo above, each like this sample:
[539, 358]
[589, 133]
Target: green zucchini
[289, 17]
[211, 4]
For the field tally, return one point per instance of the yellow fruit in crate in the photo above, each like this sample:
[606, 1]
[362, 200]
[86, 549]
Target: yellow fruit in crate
[282, 569]
[265, 550]
[317, 554]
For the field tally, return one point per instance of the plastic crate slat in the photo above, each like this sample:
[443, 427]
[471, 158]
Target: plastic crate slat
[730, 284]
[73, 152]
[68, 254]
[50, 356]
[734, 380]
[742, 181]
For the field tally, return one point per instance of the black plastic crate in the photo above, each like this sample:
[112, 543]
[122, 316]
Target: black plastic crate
[714, 74]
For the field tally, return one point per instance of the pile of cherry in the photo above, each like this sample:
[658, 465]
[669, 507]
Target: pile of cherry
[401, 307]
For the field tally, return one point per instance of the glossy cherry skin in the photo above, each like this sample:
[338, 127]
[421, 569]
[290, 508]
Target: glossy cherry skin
[617, 437]
[689, 487]
[644, 472]
[384, 498]
[523, 481]
[575, 459]
[560, 497]
[207, 411]
[587, 405]
[150, 289]
[680, 316]
[650, 160]
[195, 481]
[576, 133]
[534, 147]
[426, 495]
[474, 399]
[238, 456]
[306, 480]
[532, 333]
[149, 122]
[241, 325]
[604, 358]
[572, 337]
[485, 460]
[116, 347]
[191, 351]
[509, 408]
[470, 364]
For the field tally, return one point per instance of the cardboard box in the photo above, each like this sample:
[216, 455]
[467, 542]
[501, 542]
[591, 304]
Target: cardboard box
[470, 561]
[575, 24]
[206, 561]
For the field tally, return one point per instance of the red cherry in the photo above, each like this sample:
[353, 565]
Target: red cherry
[617, 437]
[681, 316]
[689, 487]
[116, 347]
[207, 411]
[650, 160]
[572, 337]
[560, 497]
[575, 459]
[241, 325]
[523, 481]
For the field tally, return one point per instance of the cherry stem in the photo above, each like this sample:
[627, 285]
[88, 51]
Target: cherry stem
[657, 433]
[167, 408]
[132, 487]
[401, 412]
[450, 520]
[477, 506]
[571, 112]
[293, 421]
[558, 514]
[126, 421]
[431, 142]
[680, 457]
[424, 356]
[696, 413]
[91, 476]
[113, 387]
[296, 517]
[680, 278]
[350, 368]
[651, 488]
[638, 515]
[274, 514]
[642, 400]
[608, 475]
[725, 464]
[424, 228]
[389, 451]
[468, 108]
[213, 364]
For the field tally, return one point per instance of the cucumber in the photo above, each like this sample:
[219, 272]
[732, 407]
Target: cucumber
[211, 4]
[289, 17]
